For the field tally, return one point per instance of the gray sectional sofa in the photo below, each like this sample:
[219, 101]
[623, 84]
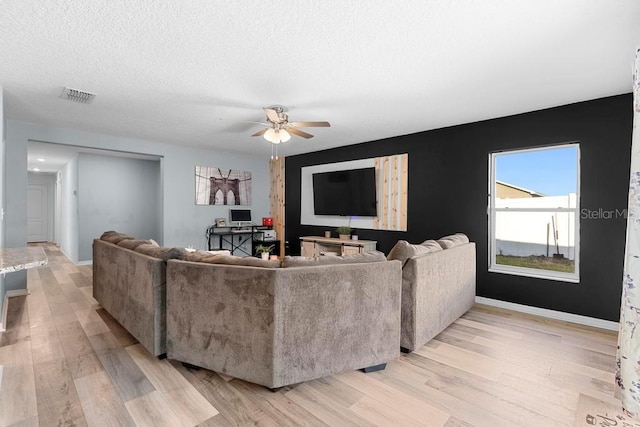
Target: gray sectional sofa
[277, 323]
[269, 322]
[438, 286]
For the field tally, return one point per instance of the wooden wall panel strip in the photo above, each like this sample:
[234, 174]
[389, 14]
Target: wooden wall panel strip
[404, 179]
[276, 196]
[394, 193]
[392, 173]
[392, 178]
[385, 194]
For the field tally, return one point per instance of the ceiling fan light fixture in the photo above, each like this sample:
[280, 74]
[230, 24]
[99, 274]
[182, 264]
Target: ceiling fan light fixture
[271, 136]
[276, 136]
[284, 135]
[278, 128]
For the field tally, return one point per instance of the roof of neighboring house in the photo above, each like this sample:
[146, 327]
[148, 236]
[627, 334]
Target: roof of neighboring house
[525, 190]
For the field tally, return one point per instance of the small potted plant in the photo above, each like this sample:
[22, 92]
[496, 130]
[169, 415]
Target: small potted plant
[264, 250]
[344, 232]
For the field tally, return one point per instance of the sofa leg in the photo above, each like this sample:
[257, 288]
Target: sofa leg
[374, 368]
[162, 356]
[277, 389]
[190, 366]
[405, 350]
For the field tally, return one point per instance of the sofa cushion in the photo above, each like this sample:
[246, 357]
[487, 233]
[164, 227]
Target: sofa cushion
[432, 245]
[114, 237]
[454, 240]
[200, 256]
[132, 243]
[300, 261]
[161, 252]
[404, 250]
[243, 261]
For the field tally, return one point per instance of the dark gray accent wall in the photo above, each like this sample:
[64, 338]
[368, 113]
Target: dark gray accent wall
[448, 181]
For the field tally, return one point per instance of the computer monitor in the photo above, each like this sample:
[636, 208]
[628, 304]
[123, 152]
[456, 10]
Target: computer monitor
[240, 215]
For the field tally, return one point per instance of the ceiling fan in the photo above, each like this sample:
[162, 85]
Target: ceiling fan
[279, 128]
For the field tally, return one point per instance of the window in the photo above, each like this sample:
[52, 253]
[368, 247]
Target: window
[534, 199]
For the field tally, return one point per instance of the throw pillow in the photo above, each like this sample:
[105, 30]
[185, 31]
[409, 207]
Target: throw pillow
[132, 243]
[432, 245]
[114, 237]
[454, 240]
[300, 261]
[161, 252]
[404, 250]
[197, 256]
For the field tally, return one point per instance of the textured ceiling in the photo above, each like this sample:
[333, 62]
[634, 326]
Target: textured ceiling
[193, 72]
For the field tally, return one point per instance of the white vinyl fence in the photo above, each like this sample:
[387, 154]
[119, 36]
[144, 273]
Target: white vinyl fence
[532, 233]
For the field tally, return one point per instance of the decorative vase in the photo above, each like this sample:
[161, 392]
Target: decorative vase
[265, 255]
[345, 236]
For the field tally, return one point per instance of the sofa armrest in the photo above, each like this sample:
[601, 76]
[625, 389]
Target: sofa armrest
[131, 286]
[437, 288]
[335, 318]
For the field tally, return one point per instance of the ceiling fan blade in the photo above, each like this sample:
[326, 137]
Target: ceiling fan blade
[272, 115]
[261, 132]
[258, 123]
[311, 124]
[299, 133]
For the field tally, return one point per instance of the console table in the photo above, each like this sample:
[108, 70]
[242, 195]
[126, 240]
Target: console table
[315, 246]
[244, 244]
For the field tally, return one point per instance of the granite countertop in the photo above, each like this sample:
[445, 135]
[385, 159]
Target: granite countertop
[16, 259]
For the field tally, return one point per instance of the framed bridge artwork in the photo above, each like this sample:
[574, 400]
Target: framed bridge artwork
[216, 186]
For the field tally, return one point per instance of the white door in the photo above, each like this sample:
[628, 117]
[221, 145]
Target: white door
[38, 213]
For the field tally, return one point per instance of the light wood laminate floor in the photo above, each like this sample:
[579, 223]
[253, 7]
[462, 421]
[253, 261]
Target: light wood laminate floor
[65, 361]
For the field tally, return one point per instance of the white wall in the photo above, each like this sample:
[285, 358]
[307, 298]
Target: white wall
[182, 222]
[2, 174]
[57, 208]
[116, 193]
[15, 202]
[2, 144]
[68, 238]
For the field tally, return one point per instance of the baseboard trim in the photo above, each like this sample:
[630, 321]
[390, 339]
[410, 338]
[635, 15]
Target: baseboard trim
[89, 262]
[17, 293]
[551, 314]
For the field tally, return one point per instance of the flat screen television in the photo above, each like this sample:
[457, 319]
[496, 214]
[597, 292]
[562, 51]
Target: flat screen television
[345, 193]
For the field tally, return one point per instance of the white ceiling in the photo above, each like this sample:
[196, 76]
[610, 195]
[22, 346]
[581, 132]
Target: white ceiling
[191, 72]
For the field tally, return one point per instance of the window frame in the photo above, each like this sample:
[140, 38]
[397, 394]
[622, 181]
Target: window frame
[491, 216]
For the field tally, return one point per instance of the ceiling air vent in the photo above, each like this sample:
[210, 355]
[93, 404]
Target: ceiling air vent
[78, 95]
